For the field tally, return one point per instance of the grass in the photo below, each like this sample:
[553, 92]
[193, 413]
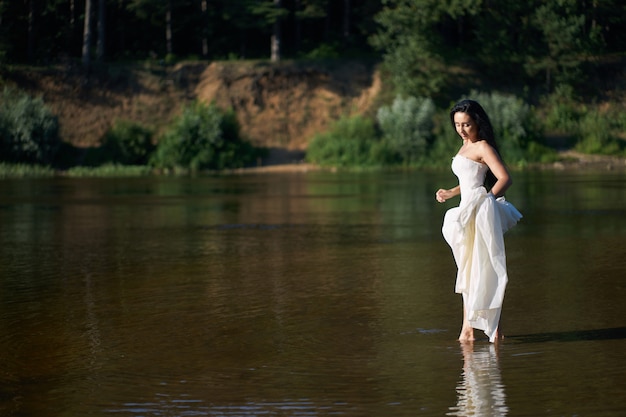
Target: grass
[24, 171]
[110, 170]
[12, 171]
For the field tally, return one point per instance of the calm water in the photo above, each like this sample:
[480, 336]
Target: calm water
[311, 294]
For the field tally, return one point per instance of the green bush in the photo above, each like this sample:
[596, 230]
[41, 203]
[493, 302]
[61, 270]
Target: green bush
[562, 111]
[538, 152]
[203, 137]
[324, 51]
[29, 132]
[446, 143]
[24, 170]
[350, 142]
[109, 170]
[596, 133]
[592, 130]
[126, 143]
[514, 123]
[407, 127]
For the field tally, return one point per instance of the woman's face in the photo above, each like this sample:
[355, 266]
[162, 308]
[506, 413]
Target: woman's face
[465, 126]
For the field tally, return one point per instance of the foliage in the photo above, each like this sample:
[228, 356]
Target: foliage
[446, 141]
[126, 143]
[596, 133]
[29, 132]
[424, 42]
[411, 45]
[350, 142]
[203, 137]
[562, 110]
[45, 31]
[413, 132]
[24, 170]
[591, 129]
[565, 39]
[514, 123]
[267, 11]
[407, 127]
[109, 170]
[323, 51]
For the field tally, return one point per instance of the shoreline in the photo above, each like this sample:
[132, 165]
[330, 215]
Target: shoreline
[570, 161]
[576, 161]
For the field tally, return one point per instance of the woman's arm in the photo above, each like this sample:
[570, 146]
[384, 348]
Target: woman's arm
[495, 164]
[442, 195]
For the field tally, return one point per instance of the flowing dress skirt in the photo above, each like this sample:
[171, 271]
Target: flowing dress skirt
[475, 232]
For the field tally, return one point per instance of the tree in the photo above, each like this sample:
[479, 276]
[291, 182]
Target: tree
[276, 36]
[271, 13]
[346, 20]
[502, 35]
[566, 40]
[159, 14]
[87, 34]
[422, 39]
[204, 8]
[168, 28]
[308, 10]
[528, 39]
[413, 46]
[31, 31]
[100, 48]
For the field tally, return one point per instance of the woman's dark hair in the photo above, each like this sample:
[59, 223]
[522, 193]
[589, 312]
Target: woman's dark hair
[485, 130]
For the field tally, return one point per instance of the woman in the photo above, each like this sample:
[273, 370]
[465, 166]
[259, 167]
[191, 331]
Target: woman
[475, 230]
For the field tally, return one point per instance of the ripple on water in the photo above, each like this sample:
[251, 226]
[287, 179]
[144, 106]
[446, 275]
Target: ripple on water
[329, 297]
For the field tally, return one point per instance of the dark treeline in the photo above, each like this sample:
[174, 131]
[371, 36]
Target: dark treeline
[537, 42]
[45, 31]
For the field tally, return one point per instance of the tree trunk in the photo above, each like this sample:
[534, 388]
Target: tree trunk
[100, 46]
[276, 36]
[346, 20]
[298, 27]
[87, 33]
[243, 42]
[120, 30]
[327, 23]
[205, 22]
[72, 14]
[71, 32]
[168, 28]
[30, 48]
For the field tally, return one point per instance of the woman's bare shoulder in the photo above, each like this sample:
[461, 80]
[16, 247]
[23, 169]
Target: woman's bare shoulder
[483, 146]
[485, 151]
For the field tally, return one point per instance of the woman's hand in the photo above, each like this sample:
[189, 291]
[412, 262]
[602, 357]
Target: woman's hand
[442, 195]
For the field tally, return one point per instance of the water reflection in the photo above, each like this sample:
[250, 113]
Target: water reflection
[185, 406]
[480, 391]
[287, 295]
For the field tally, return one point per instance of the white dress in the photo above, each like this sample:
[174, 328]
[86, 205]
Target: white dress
[475, 232]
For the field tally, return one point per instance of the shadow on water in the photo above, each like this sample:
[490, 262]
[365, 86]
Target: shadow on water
[573, 336]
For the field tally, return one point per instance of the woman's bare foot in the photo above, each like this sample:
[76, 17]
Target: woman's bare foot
[467, 334]
[499, 335]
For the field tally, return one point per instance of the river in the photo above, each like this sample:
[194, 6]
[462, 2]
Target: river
[303, 294]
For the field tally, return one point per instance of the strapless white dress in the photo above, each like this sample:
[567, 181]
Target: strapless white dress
[475, 232]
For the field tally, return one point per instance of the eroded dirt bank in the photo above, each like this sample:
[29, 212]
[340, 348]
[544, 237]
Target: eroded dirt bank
[284, 106]
[279, 106]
